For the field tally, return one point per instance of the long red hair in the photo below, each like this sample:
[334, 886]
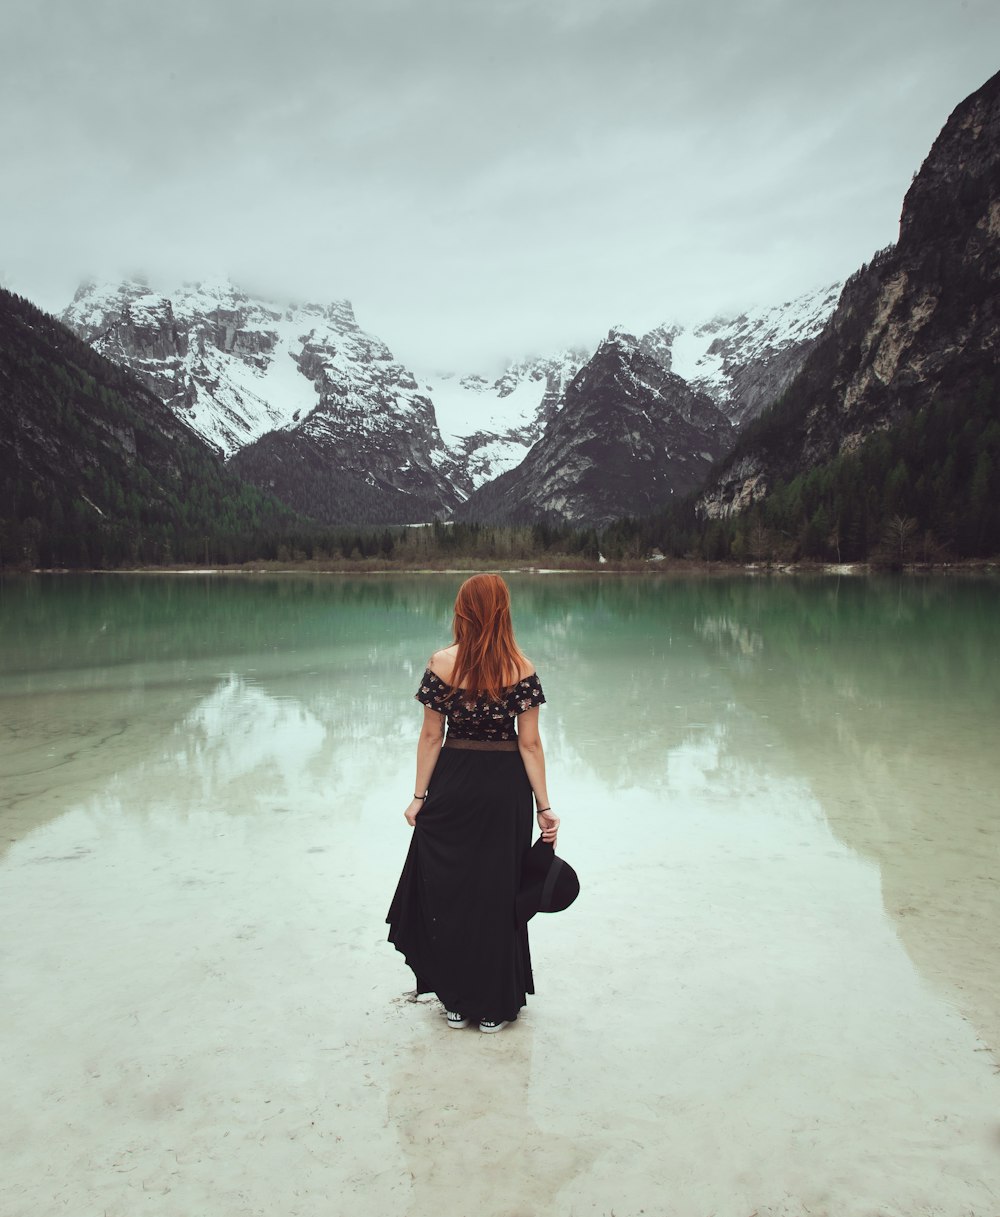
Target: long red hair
[488, 660]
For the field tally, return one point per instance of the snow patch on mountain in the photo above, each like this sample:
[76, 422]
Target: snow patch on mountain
[467, 404]
[490, 425]
[235, 367]
[227, 363]
[743, 362]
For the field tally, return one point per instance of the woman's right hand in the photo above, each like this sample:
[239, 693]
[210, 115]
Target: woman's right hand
[549, 824]
[412, 811]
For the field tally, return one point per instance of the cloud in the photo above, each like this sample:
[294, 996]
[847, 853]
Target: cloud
[479, 177]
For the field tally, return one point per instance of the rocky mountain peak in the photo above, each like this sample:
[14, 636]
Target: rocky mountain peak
[918, 324]
[338, 313]
[945, 200]
[659, 344]
[629, 435]
[621, 340]
[217, 356]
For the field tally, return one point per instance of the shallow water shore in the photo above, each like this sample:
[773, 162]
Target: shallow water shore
[778, 993]
[680, 567]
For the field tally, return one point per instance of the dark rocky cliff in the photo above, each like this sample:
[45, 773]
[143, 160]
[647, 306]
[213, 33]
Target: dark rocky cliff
[96, 468]
[920, 323]
[630, 435]
[301, 472]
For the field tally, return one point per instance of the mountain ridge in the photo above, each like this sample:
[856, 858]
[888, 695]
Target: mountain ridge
[629, 435]
[95, 467]
[221, 359]
[921, 320]
[745, 362]
[309, 406]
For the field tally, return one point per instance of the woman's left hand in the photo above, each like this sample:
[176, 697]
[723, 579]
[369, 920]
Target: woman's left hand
[549, 824]
[412, 811]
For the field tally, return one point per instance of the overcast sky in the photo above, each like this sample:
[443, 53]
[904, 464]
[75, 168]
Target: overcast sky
[481, 179]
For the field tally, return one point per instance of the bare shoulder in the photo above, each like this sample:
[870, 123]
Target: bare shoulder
[525, 669]
[442, 663]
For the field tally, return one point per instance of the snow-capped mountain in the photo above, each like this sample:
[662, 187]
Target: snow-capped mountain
[745, 363]
[236, 367]
[240, 369]
[643, 420]
[226, 363]
[306, 404]
[490, 425]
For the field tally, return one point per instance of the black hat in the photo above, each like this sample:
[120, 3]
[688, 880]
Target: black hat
[548, 884]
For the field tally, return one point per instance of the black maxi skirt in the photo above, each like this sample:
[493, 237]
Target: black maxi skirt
[453, 915]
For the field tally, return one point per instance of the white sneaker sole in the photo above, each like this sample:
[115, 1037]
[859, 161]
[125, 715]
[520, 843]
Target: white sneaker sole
[458, 1026]
[493, 1028]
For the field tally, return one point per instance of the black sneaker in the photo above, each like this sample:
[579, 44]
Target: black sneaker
[488, 1026]
[456, 1021]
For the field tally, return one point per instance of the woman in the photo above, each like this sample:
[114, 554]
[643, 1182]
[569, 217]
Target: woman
[453, 914]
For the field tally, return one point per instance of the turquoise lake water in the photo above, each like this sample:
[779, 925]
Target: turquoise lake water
[780, 794]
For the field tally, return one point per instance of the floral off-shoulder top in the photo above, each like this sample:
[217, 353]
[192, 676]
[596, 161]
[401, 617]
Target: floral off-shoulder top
[479, 719]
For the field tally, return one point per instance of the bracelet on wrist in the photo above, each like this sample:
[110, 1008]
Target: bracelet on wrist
[420, 796]
[539, 810]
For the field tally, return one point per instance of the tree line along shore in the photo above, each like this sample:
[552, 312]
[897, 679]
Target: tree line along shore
[927, 492]
[752, 540]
